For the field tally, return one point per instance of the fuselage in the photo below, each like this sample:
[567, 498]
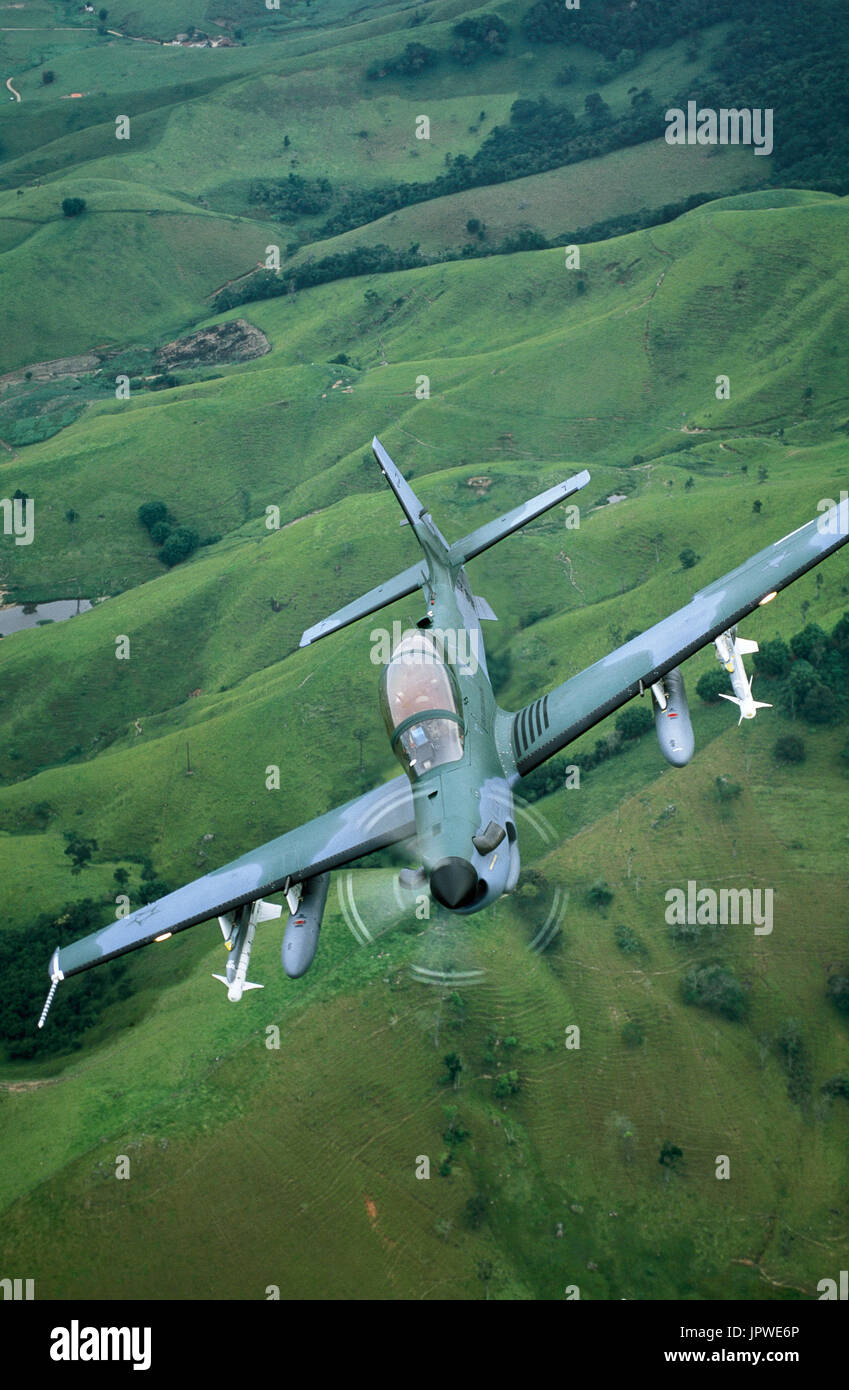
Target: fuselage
[441, 715]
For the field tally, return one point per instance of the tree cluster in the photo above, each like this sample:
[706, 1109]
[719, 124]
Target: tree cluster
[294, 196]
[610, 29]
[175, 543]
[716, 988]
[24, 953]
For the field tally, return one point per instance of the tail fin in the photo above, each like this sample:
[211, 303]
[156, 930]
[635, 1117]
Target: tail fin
[412, 508]
[436, 549]
[756, 704]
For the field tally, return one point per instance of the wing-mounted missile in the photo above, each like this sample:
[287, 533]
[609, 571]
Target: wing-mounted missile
[300, 940]
[672, 718]
[730, 650]
[239, 928]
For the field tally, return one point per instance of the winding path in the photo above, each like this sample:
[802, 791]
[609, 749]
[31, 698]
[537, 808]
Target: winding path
[15, 93]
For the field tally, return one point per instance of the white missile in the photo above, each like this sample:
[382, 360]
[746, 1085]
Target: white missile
[239, 929]
[730, 650]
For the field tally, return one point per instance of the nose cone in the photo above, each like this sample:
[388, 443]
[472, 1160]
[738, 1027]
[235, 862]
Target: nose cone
[454, 882]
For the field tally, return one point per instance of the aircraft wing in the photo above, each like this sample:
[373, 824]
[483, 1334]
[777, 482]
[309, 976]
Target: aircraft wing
[546, 725]
[381, 817]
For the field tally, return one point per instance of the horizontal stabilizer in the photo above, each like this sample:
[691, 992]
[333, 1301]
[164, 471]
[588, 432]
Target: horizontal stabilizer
[483, 610]
[485, 536]
[398, 587]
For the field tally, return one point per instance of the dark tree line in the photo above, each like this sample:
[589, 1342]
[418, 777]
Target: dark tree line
[780, 54]
[24, 955]
[608, 29]
[540, 135]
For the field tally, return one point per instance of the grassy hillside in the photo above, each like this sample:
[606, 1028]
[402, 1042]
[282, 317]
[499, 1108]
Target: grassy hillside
[149, 724]
[334, 1136]
[530, 379]
[59, 275]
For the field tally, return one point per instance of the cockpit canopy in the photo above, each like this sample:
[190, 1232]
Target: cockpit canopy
[421, 705]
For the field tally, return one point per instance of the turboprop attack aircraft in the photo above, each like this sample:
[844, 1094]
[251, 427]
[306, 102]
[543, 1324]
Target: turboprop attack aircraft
[462, 756]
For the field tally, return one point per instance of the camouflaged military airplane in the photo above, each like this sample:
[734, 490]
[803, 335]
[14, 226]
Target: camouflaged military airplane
[462, 756]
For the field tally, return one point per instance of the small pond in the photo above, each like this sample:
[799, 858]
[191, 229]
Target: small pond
[22, 615]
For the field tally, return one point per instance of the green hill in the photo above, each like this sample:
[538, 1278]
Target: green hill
[529, 380]
[147, 727]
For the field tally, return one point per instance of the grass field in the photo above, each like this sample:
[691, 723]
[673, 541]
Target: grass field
[254, 1166]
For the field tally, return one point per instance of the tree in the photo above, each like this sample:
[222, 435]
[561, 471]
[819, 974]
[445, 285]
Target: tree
[634, 722]
[599, 895]
[507, 1084]
[152, 889]
[819, 705]
[688, 558]
[840, 634]
[149, 513]
[79, 850]
[793, 1056]
[72, 207]
[178, 546]
[725, 790]
[773, 659]
[789, 749]
[597, 109]
[810, 644]
[475, 1210]
[709, 686]
[716, 988]
[453, 1066]
[47, 76]
[838, 991]
[628, 941]
[670, 1155]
